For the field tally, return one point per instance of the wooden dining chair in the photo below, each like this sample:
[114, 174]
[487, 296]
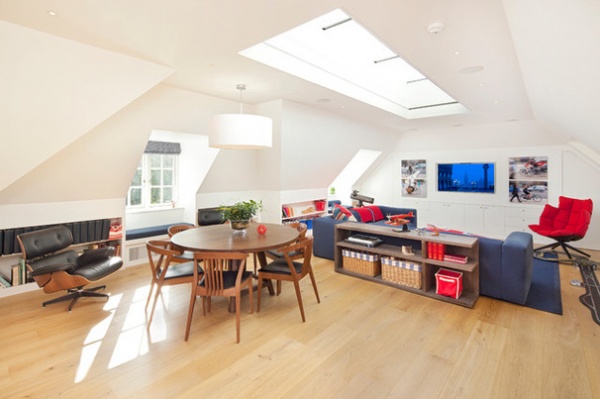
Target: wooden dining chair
[276, 254]
[165, 271]
[289, 269]
[302, 229]
[184, 256]
[224, 275]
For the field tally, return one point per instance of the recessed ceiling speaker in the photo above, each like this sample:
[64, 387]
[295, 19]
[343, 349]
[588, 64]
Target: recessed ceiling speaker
[435, 28]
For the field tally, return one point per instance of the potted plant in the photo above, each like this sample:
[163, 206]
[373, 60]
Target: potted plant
[240, 214]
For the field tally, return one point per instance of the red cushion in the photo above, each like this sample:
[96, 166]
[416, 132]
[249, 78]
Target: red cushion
[570, 219]
[370, 213]
[342, 213]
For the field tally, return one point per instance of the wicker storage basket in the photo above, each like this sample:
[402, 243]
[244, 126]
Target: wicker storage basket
[401, 272]
[361, 263]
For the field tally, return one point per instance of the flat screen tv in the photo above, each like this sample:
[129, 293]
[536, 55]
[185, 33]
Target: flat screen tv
[471, 177]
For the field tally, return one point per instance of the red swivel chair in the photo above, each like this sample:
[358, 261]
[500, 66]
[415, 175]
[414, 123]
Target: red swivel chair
[568, 222]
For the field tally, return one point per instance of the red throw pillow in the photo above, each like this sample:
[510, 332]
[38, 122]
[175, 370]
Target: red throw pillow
[342, 213]
[370, 213]
[377, 214]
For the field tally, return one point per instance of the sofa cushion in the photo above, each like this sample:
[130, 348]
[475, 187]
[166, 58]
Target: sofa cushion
[369, 213]
[342, 213]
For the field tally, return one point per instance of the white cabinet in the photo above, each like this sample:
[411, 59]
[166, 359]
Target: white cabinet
[448, 215]
[519, 218]
[485, 220]
[423, 211]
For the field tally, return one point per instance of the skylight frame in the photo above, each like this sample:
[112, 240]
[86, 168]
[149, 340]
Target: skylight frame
[337, 52]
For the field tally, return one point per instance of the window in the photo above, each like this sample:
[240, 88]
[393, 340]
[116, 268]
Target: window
[337, 52]
[155, 180]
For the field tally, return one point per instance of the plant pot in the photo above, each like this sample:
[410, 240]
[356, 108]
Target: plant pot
[239, 226]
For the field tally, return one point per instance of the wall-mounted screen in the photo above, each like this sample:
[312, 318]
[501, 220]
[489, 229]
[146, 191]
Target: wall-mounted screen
[467, 177]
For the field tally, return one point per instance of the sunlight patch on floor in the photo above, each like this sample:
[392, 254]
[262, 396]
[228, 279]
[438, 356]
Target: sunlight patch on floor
[131, 344]
[133, 339]
[88, 355]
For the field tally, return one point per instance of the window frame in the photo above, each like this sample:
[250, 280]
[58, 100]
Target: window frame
[146, 187]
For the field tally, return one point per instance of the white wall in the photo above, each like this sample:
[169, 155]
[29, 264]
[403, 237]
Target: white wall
[317, 145]
[310, 148]
[24, 215]
[54, 91]
[195, 161]
[570, 172]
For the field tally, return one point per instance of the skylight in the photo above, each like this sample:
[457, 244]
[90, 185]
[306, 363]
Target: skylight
[336, 52]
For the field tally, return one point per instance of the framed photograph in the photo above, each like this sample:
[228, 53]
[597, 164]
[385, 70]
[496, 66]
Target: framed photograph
[414, 188]
[528, 180]
[528, 168]
[528, 192]
[415, 168]
[414, 178]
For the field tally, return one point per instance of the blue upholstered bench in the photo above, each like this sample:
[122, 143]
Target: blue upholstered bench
[147, 232]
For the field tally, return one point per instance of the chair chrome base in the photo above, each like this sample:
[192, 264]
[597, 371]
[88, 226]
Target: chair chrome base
[565, 248]
[75, 293]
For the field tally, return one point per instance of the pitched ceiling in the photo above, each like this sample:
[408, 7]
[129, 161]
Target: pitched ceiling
[538, 57]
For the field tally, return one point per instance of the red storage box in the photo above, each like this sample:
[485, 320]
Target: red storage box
[448, 283]
[320, 205]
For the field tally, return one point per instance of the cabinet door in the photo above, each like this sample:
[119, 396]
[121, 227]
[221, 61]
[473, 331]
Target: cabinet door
[423, 211]
[448, 215]
[474, 219]
[493, 221]
[485, 220]
[519, 219]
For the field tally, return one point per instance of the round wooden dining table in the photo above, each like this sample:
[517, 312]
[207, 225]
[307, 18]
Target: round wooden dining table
[221, 238]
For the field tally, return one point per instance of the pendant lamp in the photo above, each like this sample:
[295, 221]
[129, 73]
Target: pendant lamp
[240, 131]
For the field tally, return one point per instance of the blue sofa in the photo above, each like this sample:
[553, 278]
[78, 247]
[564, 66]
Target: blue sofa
[505, 266]
[324, 228]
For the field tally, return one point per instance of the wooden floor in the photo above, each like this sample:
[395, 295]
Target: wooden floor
[363, 341]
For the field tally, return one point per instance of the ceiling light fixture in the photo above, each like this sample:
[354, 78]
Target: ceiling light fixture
[240, 131]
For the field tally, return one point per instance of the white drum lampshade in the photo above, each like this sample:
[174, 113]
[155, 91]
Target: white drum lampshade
[240, 131]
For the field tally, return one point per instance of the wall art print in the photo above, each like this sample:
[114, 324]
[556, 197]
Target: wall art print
[528, 180]
[414, 178]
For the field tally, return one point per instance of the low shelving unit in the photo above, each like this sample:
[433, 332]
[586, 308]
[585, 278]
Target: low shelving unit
[391, 246]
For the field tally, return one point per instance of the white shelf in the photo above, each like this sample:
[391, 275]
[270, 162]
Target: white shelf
[303, 210]
[17, 289]
[304, 216]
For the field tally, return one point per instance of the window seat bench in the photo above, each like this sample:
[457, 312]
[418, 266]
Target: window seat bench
[147, 232]
[135, 241]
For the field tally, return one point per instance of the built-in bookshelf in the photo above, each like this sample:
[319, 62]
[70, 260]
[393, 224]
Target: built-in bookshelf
[86, 235]
[303, 210]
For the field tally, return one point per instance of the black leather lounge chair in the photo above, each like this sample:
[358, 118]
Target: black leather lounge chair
[67, 270]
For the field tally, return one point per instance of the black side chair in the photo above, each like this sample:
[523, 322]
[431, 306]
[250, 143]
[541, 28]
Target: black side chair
[209, 216]
[67, 270]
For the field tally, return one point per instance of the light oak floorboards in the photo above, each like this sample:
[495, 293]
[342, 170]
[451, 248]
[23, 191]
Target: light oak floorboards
[363, 341]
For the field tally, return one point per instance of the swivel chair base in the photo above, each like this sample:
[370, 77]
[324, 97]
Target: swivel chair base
[75, 293]
[565, 248]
